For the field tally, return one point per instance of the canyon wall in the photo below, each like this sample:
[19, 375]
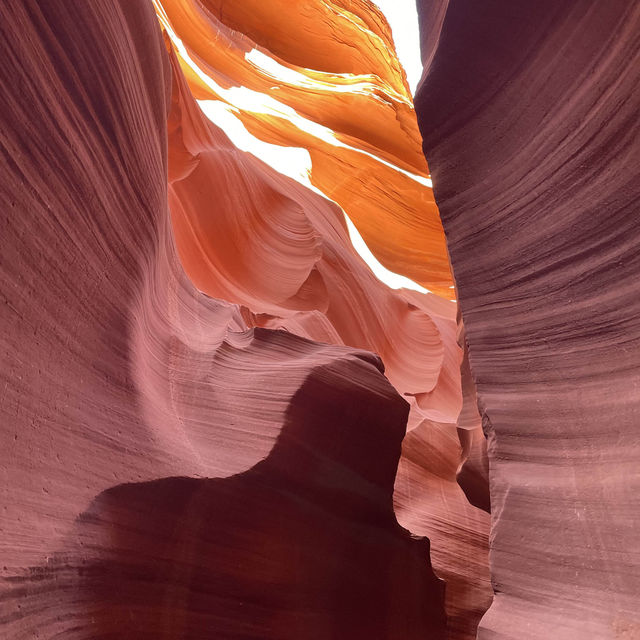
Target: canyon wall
[198, 439]
[529, 114]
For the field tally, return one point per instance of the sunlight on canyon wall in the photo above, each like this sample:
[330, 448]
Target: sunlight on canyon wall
[241, 395]
[228, 300]
[372, 165]
[350, 139]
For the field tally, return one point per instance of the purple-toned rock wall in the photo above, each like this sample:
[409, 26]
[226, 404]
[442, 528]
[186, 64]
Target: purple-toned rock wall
[529, 115]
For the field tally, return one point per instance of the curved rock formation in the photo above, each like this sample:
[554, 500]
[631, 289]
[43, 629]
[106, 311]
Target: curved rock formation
[529, 113]
[282, 252]
[287, 91]
[304, 544]
[187, 331]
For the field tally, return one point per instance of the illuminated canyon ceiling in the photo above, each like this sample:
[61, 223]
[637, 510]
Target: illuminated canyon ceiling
[241, 395]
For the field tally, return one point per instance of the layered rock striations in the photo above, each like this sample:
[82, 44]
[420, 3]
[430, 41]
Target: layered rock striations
[529, 113]
[282, 252]
[197, 439]
[338, 92]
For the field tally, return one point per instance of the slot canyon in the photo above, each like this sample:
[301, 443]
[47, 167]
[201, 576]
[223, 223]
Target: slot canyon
[309, 335]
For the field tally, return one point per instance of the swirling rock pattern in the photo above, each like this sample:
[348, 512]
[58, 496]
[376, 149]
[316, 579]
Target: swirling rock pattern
[358, 123]
[529, 113]
[162, 366]
[281, 252]
[188, 335]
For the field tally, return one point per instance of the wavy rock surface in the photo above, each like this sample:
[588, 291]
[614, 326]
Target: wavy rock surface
[121, 378]
[529, 113]
[360, 130]
[283, 253]
[186, 330]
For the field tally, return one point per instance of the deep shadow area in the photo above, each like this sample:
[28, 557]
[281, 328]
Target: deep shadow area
[304, 545]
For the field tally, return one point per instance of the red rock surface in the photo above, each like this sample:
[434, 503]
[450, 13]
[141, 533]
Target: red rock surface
[529, 113]
[144, 344]
[333, 298]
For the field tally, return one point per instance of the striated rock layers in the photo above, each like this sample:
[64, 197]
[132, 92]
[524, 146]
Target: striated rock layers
[197, 440]
[529, 113]
[339, 92]
[281, 251]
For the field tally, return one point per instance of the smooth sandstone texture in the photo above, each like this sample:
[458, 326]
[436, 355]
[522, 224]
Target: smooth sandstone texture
[304, 544]
[282, 253]
[529, 113]
[134, 406]
[359, 129]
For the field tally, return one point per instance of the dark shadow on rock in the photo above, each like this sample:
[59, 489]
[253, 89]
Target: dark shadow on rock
[473, 473]
[303, 546]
